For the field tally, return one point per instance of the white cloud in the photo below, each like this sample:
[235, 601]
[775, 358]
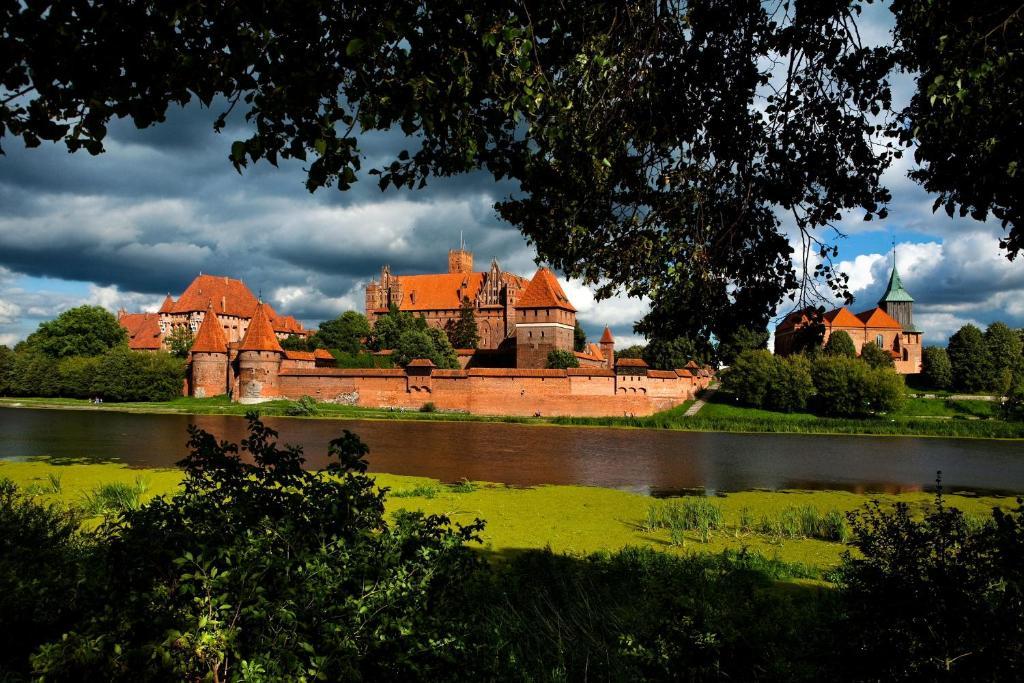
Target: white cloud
[9, 311]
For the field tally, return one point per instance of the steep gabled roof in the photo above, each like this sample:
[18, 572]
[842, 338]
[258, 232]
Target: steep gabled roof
[167, 306]
[841, 317]
[260, 335]
[544, 292]
[210, 337]
[607, 337]
[143, 330]
[226, 295]
[877, 318]
[895, 290]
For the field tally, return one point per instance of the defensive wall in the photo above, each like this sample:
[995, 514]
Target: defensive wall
[585, 392]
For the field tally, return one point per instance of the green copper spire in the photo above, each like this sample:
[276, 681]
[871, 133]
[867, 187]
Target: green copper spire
[895, 291]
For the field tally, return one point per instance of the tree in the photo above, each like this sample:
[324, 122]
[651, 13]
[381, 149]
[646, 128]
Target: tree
[463, 332]
[430, 343]
[1004, 353]
[180, 340]
[761, 379]
[560, 359]
[969, 359]
[6, 369]
[634, 351]
[345, 333]
[77, 376]
[579, 337]
[936, 370]
[674, 188]
[125, 375]
[34, 373]
[963, 117]
[742, 339]
[81, 331]
[875, 356]
[297, 342]
[840, 344]
[669, 354]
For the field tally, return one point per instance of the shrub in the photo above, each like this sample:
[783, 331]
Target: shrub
[760, 379]
[304, 407]
[936, 372]
[1013, 407]
[792, 385]
[34, 374]
[77, 376]
[428, 407]
[125, 375]
[875, 356]
[559, 359]
[847, 386]
[841, 345]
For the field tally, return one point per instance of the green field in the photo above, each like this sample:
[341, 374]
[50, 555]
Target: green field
[574, 520]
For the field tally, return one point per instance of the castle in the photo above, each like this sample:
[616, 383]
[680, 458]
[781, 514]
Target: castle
[237, 352]
[233, 301]
[890, 326]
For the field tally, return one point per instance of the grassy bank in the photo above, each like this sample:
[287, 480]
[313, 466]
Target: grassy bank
[567, 519]
[938, 417]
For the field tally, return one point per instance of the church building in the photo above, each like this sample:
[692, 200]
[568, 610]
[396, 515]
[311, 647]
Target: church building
[890, 326]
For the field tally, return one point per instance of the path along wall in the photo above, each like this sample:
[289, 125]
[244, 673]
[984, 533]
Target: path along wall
[580, 392]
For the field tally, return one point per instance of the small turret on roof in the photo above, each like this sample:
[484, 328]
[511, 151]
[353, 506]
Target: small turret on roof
[210, 338]
[544, 292]
[168, 305]
[260, 335]
[607, 337]
[895, 291]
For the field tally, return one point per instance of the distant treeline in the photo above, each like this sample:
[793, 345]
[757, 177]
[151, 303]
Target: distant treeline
[83, 353]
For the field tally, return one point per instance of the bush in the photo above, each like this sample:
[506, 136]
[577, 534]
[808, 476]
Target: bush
[792, 385]
[875, 356]
[760, 379]
[936, 599]
[848, 386]
[840, 344]
[77, 376]
[304, 407]
[125, 375]
[261, 569]
[559, 359]
[34, 373]
[936, 372]
[428, 407]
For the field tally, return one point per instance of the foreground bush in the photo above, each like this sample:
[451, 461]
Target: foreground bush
[763, 380]
[849, 386]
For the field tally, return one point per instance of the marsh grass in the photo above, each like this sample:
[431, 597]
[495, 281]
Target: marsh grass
[697, 513]
[462, 486]
[115, 497]
[420, 491]
[806, 521]
[692, 513]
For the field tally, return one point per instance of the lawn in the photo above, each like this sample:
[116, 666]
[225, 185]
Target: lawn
[567, 519]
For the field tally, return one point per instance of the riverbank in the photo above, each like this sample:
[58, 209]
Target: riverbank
[574, 520]
[920, 417]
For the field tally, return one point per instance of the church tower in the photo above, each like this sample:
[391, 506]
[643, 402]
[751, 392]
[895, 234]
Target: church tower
[897, 301]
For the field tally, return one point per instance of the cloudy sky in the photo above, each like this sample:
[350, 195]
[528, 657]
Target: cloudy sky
[161, 205]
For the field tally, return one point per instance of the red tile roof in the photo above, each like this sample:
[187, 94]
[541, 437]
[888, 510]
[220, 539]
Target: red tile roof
[607, 337]
[210, 338]
[323, 354]
[878, 318]
[300, 355]
[420, 363]
[683, 372]
[631, 363]
[167, 306]
[544, 292]
[691, 365]
[443, 291]
[661, 374]
[260, 336]
[589, 372]
[841, 317]
[228, 297]
[143, 330]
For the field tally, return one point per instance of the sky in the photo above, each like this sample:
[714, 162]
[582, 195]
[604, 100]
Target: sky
[125, 228]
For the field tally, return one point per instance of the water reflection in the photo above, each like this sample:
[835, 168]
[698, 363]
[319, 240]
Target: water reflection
[636, 460]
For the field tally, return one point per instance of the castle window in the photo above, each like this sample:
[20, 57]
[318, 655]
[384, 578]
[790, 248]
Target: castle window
[880, 341]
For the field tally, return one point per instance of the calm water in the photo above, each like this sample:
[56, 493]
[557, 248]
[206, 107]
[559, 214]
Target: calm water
[637, 460]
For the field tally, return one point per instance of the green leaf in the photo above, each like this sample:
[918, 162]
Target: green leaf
[354, 46]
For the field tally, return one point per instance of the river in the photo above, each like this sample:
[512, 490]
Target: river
[649, 461]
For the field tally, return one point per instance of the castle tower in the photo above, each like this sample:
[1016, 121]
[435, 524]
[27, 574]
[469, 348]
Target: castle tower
[545, 321]
[460, 260]
[208, 358]
[608, 347]
[897, 301]
[259, 361]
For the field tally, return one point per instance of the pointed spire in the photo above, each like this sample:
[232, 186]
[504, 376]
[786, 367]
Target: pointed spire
[895, 291]
[210, 338]
[260, 334]
[607, 337]
[544, 292]
[168, 305]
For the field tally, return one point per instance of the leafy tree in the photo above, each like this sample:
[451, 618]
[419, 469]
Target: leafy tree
[34, 373]
[840, 344]
[560, 359]
[6, 369]
[848, 387]
[669, 354]
[969, 358]
[390, 326]
[875, 356]
[430, 343]
[1013, 406]
[936, 370]
[81, 331]
[78, 376]
[673, 188]
[463, 332]
[125, 375]
[1004, 352]
[296, 342]
[761, 379]
[345, 333]
[963, 118]
[634, 351]
[792, 385]
[579, 337]
[180, 340]
[742, 339]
